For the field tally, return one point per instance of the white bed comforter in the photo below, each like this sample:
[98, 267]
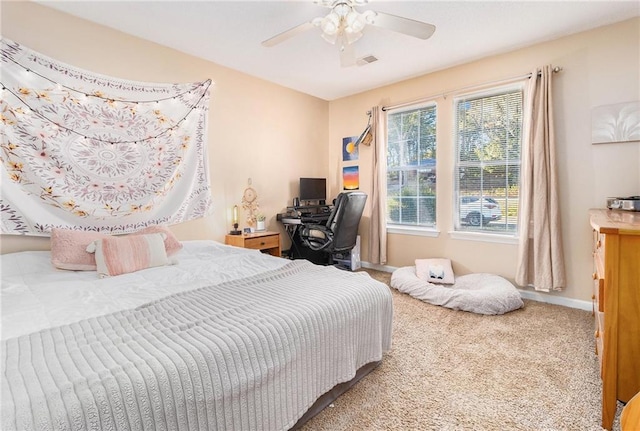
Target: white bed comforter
[252, 347]
[36, 295]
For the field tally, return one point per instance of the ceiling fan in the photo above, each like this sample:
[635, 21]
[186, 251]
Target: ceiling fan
[344, 25]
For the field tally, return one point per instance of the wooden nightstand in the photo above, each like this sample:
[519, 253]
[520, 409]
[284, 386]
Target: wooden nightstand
[265, 241]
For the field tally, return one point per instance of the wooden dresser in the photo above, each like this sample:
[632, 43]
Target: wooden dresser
[616, 296]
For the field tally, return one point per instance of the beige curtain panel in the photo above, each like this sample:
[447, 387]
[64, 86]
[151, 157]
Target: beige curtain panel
[540, 254]
[378, 225]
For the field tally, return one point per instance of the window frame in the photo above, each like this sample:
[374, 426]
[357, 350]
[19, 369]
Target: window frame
[430, 230]
[480, 234]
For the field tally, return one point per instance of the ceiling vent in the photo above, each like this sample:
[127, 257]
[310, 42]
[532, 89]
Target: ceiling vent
[363, 61]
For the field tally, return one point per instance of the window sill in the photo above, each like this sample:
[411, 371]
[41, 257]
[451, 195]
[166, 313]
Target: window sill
[484, 237]
[414, 230]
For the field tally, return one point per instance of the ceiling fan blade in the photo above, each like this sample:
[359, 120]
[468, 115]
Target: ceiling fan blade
[411, 27]
[347, 55]
[288, 34]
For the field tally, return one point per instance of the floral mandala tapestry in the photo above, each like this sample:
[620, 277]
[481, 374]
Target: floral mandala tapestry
[91, 152]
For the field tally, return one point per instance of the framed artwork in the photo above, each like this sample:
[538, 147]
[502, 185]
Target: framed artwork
[350, 178]
[615, 123]
[349, 149]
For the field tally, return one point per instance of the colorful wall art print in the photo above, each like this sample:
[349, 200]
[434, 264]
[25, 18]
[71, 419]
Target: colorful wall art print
[350, 178]
[349, 149]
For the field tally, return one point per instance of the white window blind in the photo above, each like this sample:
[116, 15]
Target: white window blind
[488, 136]
[411, 166]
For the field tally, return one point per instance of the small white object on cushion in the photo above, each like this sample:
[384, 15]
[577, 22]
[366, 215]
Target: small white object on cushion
[69, 249]
[477, 293]
[435, 270]
[122, 255]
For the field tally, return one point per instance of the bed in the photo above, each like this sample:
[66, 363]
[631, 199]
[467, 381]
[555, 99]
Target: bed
[226, 339]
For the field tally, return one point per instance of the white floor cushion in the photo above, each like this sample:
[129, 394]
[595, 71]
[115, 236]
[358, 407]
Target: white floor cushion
[477, 293]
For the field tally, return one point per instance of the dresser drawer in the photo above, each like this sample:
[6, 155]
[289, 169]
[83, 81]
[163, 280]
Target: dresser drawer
[600, 322]
[598, 277]
[262, 242]
[598, 293]
[600, 338]
[600, 348]
[598, 241]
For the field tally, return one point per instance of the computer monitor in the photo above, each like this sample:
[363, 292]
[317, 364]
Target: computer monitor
[313, 189]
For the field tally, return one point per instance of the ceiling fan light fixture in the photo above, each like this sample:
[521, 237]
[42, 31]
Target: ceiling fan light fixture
[342, 21]
[331, 38]
[352, 37]
[342, 9]
[344, 25]
[369, 17]
[330, 24]
[354, 22]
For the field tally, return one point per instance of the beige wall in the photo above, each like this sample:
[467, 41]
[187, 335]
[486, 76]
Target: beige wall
[256, 129]
[600, 67]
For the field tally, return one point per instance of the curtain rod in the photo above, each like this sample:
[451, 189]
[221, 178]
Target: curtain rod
[470, 87]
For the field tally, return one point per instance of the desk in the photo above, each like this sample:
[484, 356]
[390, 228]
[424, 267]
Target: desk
[264, 241]
[292, 225]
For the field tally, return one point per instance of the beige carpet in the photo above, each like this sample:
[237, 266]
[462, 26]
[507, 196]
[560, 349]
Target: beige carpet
[531, 369]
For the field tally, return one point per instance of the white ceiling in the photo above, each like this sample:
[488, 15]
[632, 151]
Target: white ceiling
[230, 33]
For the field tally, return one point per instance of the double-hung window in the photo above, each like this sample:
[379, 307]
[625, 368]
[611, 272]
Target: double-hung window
[411, 166]
[488, 137]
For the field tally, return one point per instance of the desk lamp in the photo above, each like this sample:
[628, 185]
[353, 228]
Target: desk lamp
[365, 137]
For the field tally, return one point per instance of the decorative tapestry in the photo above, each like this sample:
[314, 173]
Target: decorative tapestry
[91, 152]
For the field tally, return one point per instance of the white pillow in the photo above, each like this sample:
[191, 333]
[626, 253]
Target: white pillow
[121, 255]
[435, 271]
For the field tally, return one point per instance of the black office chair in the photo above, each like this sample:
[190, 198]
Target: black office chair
[338, 236]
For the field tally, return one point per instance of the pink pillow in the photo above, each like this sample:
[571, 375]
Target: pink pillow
[69, 249]
[121, 255]
[171, 243]
[435, 271]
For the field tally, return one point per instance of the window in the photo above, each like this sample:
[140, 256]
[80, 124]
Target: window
[411, 166]
[488, 131]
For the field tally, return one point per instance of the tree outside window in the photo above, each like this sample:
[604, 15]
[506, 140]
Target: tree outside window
[411, 166]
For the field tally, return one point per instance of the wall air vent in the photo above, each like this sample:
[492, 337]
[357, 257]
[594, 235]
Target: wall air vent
[363, 61]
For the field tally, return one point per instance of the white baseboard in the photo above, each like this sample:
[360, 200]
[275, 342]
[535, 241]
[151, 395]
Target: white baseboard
[383, 268]
[526, 294]
[556, 300]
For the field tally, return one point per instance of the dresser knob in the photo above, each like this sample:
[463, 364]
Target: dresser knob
[595, 275]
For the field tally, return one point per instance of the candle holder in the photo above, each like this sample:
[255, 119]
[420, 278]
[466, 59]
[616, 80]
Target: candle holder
[235, 230]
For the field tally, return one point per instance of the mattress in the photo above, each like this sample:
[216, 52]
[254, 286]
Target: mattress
[226, 339]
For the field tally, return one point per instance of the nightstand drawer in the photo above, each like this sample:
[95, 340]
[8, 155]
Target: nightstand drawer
[268, 242]
[262, 242]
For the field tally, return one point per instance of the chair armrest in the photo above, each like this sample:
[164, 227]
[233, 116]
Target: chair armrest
[317, 237]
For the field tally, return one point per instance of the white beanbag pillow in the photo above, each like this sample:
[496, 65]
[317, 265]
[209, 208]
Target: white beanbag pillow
[477, 293]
